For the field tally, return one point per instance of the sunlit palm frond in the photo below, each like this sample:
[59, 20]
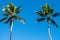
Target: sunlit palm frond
[6, 10]
[40, 19]
[45, 8]
[56, 14]
[11, 7]
[18, 9]
[21, 19]
[54, 23]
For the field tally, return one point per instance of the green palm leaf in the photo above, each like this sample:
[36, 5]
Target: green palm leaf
[11, 7]
[18, 9]
[45, 8]
[5, 14]
[8, 20]
[21, 19]
[40, 19]
[54, 23]
[56, 14]
[50, 10]
[40, 13]
[3, 19]
[6, 9]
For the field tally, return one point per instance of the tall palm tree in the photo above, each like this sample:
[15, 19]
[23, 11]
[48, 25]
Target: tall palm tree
[10, 14]
[46, 15]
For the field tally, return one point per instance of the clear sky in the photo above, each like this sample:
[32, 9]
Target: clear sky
[30, 30]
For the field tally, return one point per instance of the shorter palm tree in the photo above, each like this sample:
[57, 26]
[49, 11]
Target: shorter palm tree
[46, 15]
[10, 14]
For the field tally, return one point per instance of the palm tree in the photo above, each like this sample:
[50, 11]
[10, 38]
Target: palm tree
[10, 14]
[46, 15]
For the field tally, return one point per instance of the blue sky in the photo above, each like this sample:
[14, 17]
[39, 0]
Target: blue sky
[30, 30]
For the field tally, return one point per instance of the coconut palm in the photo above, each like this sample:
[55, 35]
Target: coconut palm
[10, 14]
[46, 14]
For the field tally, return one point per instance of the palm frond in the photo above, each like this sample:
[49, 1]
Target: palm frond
[6, 10]
[8, 20]
[40, 13]
[18, 9]
[45, 8]
[21, 19]
[11, 7]
[56, 14]
[50, 10]
[5, 14]
[54, 23]
[40, 19]
[3, 19]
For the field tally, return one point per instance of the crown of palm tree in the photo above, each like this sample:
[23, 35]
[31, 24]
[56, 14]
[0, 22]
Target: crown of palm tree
[46, 13]
[11, 14]
[47, 9]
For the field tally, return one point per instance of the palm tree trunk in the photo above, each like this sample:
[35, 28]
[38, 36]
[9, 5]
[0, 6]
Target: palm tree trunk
[49, 31]
[11, 27]
[10, 35]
